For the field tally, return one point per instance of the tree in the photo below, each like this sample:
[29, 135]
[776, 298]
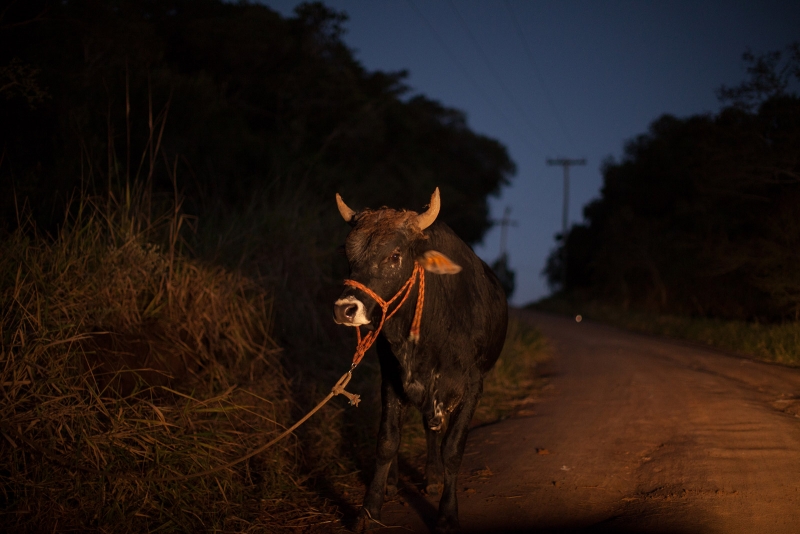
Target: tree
[700, 215]
[251, 101]
[770, 75]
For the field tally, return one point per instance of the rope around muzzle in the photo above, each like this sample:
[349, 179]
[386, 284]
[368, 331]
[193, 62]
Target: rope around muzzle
[362, 347]
[364, 344]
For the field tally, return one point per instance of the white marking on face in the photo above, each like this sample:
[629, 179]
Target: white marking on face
[360, 316]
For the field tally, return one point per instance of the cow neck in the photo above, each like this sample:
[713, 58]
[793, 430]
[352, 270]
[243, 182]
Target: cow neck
[366, 342]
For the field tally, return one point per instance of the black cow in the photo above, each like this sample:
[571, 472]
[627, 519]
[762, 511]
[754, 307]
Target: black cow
[463, 328]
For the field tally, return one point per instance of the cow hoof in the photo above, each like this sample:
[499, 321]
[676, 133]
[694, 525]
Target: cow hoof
[434, 489]
[391, 490]
[447, 525]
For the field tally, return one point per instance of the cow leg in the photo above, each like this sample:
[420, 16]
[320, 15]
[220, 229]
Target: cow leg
[452, 451]
[392, 478]
[392, 413]
[433, 464]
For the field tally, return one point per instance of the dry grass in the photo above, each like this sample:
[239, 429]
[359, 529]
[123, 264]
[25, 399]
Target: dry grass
[514, 384]
[122, 361]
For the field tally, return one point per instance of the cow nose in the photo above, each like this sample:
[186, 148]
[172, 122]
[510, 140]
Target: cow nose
[349, 311]
[344, 312]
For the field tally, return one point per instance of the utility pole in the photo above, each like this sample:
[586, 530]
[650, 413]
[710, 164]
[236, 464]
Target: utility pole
[565, 163]
[504, 223]
[500, 265]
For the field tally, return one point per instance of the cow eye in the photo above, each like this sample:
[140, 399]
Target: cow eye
[395, 257]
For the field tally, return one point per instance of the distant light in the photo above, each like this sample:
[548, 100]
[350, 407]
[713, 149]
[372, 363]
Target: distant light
[578, 318]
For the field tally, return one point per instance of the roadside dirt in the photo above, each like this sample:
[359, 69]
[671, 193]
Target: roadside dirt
[632, 434]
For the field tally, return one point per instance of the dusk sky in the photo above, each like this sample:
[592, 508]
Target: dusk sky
[561, 79]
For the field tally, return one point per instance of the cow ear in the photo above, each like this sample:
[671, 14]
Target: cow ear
[438, 263]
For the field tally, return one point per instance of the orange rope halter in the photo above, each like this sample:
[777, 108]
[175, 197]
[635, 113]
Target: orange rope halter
[366, 342]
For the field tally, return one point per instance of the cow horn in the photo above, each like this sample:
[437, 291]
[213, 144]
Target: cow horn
[426, 219]
[347, 213]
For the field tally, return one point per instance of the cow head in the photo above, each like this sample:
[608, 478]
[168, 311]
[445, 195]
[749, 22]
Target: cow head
[382, 248]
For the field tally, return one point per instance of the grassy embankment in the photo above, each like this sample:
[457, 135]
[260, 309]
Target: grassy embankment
[779, 343]
[123, 360]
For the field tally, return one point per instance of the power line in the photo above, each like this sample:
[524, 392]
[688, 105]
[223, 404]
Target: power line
[538, 73]
[496, 74]
[461, 66]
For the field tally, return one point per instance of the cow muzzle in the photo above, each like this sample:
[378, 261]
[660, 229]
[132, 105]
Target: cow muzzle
[350, 311]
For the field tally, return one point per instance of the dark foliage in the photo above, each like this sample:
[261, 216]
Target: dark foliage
[702, 215]
[254, 120]
[253, 102]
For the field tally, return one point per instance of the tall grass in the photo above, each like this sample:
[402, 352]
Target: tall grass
[779, 343]
[122, 361]
[514, 382]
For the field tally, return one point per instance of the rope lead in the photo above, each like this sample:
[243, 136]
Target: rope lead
[338, 389]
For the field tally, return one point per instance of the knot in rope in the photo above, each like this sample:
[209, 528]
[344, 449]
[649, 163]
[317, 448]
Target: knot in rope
[366, 342]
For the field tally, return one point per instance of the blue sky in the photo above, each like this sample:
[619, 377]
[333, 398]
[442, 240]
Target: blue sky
[561, 79]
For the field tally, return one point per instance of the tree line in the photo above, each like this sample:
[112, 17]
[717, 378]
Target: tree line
[246, 120]
[235, 99]
[701, 215]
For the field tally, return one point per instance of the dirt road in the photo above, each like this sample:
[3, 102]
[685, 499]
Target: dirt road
[633, 434]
